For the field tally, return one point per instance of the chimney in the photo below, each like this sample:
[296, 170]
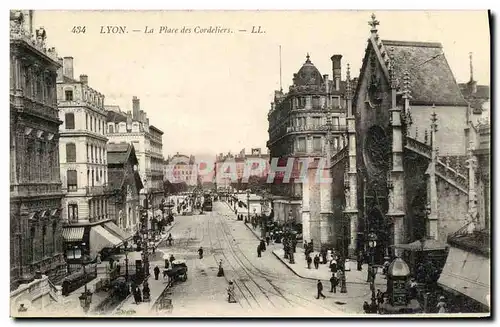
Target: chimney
[68, 66]
[337, 70]
[142, 116]
[84, 79]
[136, 107]
[327, 88]
[60, 72]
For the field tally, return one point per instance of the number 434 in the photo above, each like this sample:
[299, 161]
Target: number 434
[78, 30]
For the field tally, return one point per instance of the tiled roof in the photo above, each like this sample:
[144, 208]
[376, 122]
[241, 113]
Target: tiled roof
[118, 153]
[67, 79]
[115, 178]
[477, 99]
[431, 78]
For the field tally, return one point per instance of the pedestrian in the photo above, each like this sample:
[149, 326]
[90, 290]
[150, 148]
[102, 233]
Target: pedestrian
[259, 251]
[263, 245]
[334, 281]
[220, 273]
[441, 306]
[22, 308]
[380, 297]
[98, 258]
[360, 261]
[413, 289]
[387, 263]
[320, 290]
[268, 240]
[157, 272]
[323, 255]
[167, 264]
[118, 267]
[333, 265]
[309, 261]
[200, 252]
[230, 293]
[316, 261]
[172, 258]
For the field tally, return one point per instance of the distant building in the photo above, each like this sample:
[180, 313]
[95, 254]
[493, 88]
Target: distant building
[231, 168]
[181, 168]
[133, 127]
[125, 182]
[35, 182]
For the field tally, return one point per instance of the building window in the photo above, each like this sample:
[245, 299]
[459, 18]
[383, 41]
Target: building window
[316, 121]
[97, 175]
[315, 102]
[73, 212]
[86, 121]
[91, 153]
[317, 143]
[336, 143]
[301, 144]
[68, 95]
[336, 122]
[336, 102]
[110, 129]
[72, 180]
[302, 102]
[69, 119]
[70, 152]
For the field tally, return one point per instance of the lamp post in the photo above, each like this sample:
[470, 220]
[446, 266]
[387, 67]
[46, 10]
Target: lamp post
[248, 206]
[372, 244]
[86, 297]
[126, 249]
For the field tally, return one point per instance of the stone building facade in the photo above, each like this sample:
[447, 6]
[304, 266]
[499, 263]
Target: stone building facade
[181, 168]
[35, 184]
[125, 183]
[403, 177]
[133, 127]
[297, 129]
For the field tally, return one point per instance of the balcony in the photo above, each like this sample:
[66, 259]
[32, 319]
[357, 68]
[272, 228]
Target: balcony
[35, 189]
[26, 104]
[98, 190]
[316, 128]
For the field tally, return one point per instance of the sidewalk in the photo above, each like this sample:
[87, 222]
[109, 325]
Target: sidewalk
[323, 272]
[128, 306]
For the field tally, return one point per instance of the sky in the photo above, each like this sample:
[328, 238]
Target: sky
[211, 93]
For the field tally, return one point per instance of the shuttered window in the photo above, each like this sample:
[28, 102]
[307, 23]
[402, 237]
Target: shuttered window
[70, 152]
[72, 180]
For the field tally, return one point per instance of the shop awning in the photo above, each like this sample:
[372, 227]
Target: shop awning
[73, 234]
[424, 245]
[100, 239]
[117, 231]
[467, 273]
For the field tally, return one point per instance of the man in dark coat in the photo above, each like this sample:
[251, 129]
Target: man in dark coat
[320, 290]
[334, 281]
[316, 261]
[309, 261]
[157, 272]
[259, 251]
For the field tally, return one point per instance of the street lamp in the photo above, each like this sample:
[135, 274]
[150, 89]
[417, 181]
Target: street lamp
[86, 297]
[248, 206]
[372, 244]
[126, 249]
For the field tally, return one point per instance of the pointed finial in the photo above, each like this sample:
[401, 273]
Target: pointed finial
[434, 119]
[426, 136]
[471, 67]
[348, 82]
[373, 23]
[307, 57]
[406, 85]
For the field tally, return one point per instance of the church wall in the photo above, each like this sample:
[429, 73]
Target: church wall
[338, 202]
[416, 195]
[452, 209]
[452, 121]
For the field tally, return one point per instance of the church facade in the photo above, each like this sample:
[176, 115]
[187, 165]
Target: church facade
[402, 175]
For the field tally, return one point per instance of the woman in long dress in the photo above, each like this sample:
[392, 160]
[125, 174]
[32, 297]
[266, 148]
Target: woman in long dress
[230, 293]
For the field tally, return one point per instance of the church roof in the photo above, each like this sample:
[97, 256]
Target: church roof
[119, 153]
[115, 178]
[431, 78]
[308, 74]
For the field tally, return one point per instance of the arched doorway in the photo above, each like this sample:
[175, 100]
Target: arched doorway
[378, 225]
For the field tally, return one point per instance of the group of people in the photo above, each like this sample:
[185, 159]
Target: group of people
[141, 295]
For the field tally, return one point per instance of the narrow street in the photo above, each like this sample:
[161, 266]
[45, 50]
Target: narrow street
[264, 286]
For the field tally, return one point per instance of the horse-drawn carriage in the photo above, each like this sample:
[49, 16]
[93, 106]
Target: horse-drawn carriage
[178, 271]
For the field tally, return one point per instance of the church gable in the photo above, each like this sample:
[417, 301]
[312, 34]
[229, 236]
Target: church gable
[432, 81]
